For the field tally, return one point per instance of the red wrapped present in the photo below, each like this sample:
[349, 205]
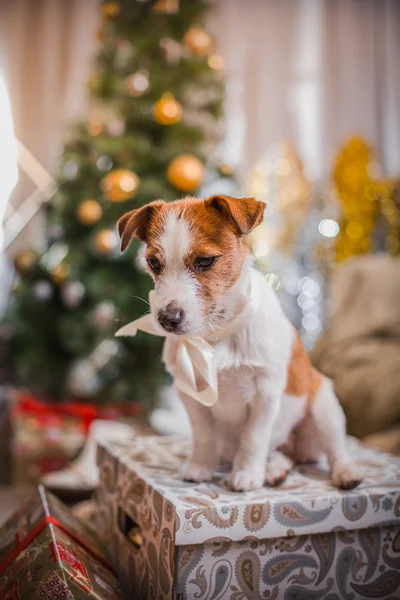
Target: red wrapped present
[47, 554]
[49, 435]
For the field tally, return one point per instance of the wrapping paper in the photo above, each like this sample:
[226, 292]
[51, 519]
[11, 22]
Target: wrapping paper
[303, 540]
[45, 553]
[47, 436]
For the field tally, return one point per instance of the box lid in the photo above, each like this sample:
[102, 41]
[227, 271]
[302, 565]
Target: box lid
[306, 503]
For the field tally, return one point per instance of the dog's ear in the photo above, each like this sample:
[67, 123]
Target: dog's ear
[245, 213]
[135, 223]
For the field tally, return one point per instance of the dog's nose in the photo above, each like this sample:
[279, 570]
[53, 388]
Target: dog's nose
[171, 317]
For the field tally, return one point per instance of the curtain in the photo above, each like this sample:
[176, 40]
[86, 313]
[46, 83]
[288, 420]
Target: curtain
[313, 72]
[46, 48]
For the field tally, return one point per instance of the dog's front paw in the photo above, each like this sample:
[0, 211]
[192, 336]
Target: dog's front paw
[244, 481]
[197, 472]
[346, 475]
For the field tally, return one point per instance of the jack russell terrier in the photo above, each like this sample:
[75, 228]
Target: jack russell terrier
[239, 365]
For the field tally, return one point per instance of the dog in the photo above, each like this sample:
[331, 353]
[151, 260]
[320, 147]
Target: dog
[240, 367]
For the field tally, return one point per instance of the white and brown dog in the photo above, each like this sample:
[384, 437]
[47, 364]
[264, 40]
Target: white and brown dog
[238, 363]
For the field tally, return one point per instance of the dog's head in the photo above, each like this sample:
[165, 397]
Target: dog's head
[195, 254]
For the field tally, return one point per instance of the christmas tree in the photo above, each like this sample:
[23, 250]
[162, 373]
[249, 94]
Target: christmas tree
[155, 121]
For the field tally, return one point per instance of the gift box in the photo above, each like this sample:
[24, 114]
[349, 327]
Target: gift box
[47, 436]
[303, 540]
[47, 554]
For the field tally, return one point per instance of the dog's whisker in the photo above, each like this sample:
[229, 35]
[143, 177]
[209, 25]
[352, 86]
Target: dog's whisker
[142, 299]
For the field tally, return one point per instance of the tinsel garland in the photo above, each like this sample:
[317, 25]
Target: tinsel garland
[363, 197]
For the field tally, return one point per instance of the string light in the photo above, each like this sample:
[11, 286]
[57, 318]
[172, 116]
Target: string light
[328, 228]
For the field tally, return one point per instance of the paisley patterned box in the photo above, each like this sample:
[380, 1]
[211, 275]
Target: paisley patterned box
[302, 541]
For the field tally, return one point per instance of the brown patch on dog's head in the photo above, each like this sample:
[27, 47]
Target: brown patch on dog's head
[245, 213]
[218, 226]
[196, 242]
[136, 222]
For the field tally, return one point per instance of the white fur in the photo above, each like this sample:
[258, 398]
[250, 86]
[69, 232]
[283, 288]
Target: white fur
[175, 239]
[253, 416]
[177, 284]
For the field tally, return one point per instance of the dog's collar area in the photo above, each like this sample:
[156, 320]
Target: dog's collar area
[195, 373]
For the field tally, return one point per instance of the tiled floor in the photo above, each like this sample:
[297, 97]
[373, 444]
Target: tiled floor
[10, 499]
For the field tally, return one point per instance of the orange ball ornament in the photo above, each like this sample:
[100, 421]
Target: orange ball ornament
[89, 212]
[60, 273]
[106, 241]
[111, 9]
[216, 62]
[186, 173]
[167, 111]
[198, 41]
[25, 261]
[120, 185]
[168, 7]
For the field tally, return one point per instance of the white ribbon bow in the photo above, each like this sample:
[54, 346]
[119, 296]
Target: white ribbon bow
[195, 372]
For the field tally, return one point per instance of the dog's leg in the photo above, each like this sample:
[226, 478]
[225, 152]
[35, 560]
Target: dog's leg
[306, 442]
[330, 423]
[249, 465]
[278, 468]
[204, 459]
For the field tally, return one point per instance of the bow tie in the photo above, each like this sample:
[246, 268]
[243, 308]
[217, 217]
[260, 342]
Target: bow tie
[195, 372]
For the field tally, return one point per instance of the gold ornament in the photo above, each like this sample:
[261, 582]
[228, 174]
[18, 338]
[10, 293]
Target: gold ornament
[216, 62]
[167, 110]
[168, 7]
[198, 41]
[186, 173]
[120, 185]
[138, 83]
[106, 241]
[389, 195]
[25, 260]
[60, 273]
[89, 212]
[111, 9]
[225, 170]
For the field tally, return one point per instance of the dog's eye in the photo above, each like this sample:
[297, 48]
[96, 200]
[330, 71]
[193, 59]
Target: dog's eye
[154, 264]
[205, 262]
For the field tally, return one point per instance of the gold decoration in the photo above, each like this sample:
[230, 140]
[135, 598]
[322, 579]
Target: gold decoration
[138, 83]
[60, 273]
[389, 198]
[358, 195]
[168, 7]
[89, 212]
[106, 241]
[111, 9]
[167, 111]
[120, 185]
[198, 41]
[216, 62]
[135, 536]
[186, 173]
[25, 260]
[226, 170]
